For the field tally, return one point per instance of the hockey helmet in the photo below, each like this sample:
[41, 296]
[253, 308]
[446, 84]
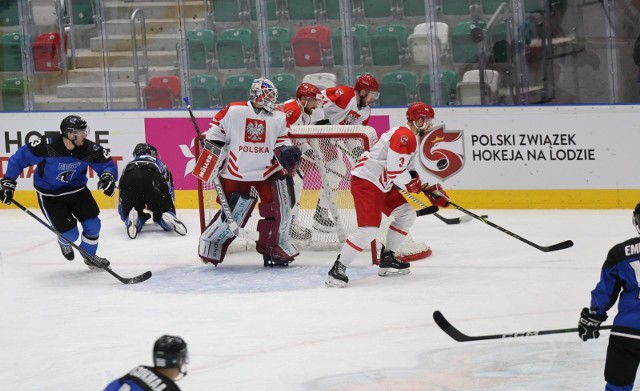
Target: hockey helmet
[73, 123]
[264, 93]
[145, 149]
[367, 82]
[636, 217]
[170, 352]
[307, 90]
[419, 110]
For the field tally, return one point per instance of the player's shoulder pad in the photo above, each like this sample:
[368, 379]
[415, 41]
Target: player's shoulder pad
[623, 251]
[403, 140]
[38, 146]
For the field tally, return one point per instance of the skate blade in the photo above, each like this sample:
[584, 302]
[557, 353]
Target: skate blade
[387, 272]
[132, 231]
[335, 283]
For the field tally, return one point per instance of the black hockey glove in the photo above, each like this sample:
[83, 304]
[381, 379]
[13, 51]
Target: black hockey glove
[7, 187]
[107, 183]
[289, 157]
[589, 324]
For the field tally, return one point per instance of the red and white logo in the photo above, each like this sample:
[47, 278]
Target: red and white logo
[254, 131]
[442, 152]
[350, 118]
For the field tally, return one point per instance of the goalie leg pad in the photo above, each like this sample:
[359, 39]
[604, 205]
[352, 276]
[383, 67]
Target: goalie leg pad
[215, 240]
[275, 227]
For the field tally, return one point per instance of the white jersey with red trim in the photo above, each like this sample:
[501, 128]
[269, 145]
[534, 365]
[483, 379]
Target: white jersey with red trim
[340, 107]
[390, 157]
[250, 139]
[295, 114]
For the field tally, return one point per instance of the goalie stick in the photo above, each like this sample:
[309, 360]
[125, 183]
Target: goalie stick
[553, 247]
[455, 220]
[133, 280]
[456, 334]
[224, 203]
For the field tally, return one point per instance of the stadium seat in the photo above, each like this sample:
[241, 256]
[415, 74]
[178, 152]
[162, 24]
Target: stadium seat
[163, 92]
[272, 10]
[332, 9]
[205, 91]
[200, 45]
[43, 13]
[302, 10]
[45, 48]
[9, 14]
[236, 88]
[378, 9]
[310, 46]
[13, 94]
[322, 80]
[499, 38]
[420, 42]
[279, 46]
[286, 84]
[229, 12]
[360, 34]
[398, 88]
[11, 52]
[469, 89]
[464, 49]
[83, 12]
[388, 44]
[234, 49]
[413, 8]
[455, 7]
[448, 81]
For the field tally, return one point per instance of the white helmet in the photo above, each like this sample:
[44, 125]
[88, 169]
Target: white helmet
[264, 93]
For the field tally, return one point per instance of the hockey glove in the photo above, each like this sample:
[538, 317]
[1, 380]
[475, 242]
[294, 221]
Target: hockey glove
[289, 157]
[415, 184]
[436, 194]
[589, 324]
[107, 183]
[7, 187]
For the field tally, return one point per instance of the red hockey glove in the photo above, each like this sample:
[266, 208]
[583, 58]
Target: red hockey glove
[414, 185]
[436, 194]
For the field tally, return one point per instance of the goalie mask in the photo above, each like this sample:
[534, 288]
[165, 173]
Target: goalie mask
[263, 94]
[171, 352]
[636, 218]
[145, 149]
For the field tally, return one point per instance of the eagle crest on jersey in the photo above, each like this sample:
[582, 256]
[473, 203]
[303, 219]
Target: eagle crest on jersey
[255, 131]
[350, 118]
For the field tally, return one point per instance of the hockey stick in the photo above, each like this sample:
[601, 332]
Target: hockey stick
[460, 337]
[455, 220]
[235, 228]
[134, 280]
[553, 247]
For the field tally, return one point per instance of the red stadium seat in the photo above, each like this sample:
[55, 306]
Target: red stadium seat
[163, 92]
[311, 45]
[45, 52]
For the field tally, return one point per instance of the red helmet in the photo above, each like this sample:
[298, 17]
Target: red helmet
[419, 110]
[367, 82]
[308, 90]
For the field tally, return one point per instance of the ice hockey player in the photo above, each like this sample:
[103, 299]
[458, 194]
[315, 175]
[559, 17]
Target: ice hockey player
[343, 105]
[146, 183]
[260, 155]
[60, 180]
[619, 278]
[170, 359]
[372, 187]
[299, 112]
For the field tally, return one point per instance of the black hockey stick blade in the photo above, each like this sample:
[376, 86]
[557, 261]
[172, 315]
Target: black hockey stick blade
[457, 220]
[427, 210]
[133, 280]
[456, 334]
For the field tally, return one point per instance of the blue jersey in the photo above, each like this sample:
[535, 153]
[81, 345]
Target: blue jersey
[143, 378]
[620, 275]
[60, 171]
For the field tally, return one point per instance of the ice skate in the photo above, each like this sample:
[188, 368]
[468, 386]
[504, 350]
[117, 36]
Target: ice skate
[321, 220]
[132, 224]
[270, 261]
[390, 265]
[104, 263]
[337, 277]
[170, 222]
[67, 249]
[300, 233]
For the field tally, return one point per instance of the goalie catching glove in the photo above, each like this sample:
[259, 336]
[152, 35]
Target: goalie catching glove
[436, 194]
[414, 185]
[589, 324]
[289, 157]
[7, 187]
[107, 183]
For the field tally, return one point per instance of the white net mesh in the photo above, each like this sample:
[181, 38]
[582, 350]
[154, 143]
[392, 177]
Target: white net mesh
[326, 213]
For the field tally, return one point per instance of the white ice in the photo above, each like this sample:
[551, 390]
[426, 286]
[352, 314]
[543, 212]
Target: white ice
[252, 328]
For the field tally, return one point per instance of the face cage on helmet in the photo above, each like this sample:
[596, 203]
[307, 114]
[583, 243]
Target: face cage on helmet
[75, 132]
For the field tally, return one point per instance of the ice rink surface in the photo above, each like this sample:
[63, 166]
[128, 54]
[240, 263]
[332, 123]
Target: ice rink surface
[253, 328]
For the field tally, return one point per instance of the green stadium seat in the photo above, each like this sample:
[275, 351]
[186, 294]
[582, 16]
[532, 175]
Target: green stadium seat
[448, 82]
[234, 48]
[379, 9]
[205, 91]
[83, 12]
[279, 46]
[398, 88]
[464, 49]
[302, 10]
[236, 88]
[272, 10]
[11, 52]
[228, 11]
[413, 8]
[455, 7]
[332, 8]
[9, 14]
[13, 94]
[388, 44]
[286, 84]
[200, 45]
[360, 34]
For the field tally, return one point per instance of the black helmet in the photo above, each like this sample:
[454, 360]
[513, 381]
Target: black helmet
[145, 149]
[72, 123]
[636, 218]
[170, 352]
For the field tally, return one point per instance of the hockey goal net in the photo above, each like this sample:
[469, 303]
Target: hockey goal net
[326, 214]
